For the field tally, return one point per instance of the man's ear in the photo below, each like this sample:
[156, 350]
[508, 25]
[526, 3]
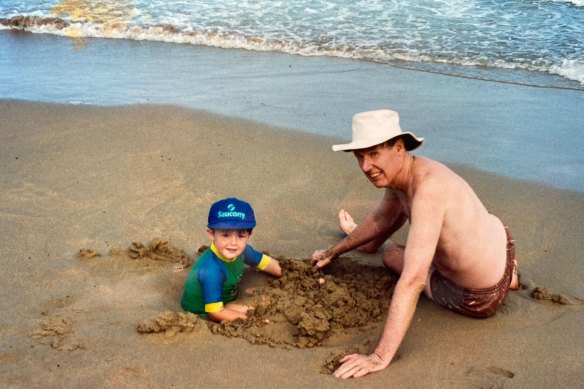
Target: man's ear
[400, 145]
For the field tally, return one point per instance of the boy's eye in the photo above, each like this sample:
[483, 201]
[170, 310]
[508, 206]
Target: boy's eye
[242, 236]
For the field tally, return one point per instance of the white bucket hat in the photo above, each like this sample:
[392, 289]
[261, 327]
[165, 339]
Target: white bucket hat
[375, 127]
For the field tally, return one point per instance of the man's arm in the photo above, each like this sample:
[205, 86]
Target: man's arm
[401, 311]
[374, 225]
[427, 216]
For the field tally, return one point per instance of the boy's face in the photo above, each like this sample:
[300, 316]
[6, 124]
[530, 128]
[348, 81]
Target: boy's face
[229, 243]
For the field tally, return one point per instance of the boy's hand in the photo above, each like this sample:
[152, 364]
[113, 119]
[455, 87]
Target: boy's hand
[239, 307]
[321, 258]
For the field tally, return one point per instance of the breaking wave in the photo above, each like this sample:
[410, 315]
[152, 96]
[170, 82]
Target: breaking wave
[383, 52]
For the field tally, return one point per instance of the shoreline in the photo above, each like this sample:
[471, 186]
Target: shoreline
[76, 177]
[318, 95]
[295, 132]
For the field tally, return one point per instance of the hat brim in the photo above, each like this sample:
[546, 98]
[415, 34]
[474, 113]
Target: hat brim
[231, 225]
[411, 142]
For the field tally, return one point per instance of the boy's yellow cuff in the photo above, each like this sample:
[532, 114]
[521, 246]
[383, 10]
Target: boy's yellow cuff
[214, 307]
[263, 262]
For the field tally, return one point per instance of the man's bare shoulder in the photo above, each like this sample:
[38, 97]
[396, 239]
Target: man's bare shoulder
[430, 174]
[438, 186]
[429, 165]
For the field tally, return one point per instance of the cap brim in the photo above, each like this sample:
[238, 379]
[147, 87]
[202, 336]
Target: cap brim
[225, 225]
[411, 142]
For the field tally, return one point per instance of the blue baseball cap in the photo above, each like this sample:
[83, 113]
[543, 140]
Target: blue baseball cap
[231, 214]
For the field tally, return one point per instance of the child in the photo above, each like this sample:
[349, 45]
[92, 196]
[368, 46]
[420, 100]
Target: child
[211, 285]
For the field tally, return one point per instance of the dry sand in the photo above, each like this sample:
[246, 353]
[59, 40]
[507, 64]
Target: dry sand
[90, 297]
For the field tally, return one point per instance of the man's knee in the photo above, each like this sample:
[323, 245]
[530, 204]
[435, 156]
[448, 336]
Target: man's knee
[369, 249]
[393, 257]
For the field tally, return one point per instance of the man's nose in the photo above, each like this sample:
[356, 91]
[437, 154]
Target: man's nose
[365, 164]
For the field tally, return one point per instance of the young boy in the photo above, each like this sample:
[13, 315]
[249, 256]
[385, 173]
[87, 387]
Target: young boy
[211, 285]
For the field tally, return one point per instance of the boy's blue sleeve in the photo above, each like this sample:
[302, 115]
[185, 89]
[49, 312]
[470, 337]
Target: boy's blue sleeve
[211, 280]
[255, 259]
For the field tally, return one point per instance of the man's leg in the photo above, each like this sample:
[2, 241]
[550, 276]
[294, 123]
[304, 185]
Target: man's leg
[511, 256]
[515, 278]
[347, 225]
[393, 259]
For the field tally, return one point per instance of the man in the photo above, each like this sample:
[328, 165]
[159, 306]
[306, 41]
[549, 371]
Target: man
[459, 254]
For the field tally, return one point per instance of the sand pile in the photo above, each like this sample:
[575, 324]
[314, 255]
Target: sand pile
[308, 306]
[170, 323]
[157, 249]
[303, 308]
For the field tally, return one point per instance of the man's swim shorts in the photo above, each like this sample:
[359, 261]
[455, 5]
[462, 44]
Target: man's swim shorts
[478, 303]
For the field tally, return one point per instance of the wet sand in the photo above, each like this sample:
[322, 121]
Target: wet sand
[103, 211]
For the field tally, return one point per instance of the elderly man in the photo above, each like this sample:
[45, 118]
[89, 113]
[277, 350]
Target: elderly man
[459, 254]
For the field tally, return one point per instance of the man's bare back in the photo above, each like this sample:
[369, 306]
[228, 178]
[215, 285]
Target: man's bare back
[471, 245]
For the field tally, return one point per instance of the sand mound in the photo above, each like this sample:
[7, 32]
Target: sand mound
[304, 307]
[318, 304]
[541, 293]
[88, 253]
[157, 249]
[58, 329]
[170, 323]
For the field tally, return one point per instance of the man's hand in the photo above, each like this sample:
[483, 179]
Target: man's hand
[357, 365]
[321, 258]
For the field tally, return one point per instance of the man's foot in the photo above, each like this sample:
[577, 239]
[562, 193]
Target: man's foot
[514, 285]
[346, 222]
[347, 225]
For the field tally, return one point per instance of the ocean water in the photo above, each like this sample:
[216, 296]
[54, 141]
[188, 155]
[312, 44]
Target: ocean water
[494, 84]
[540, 36]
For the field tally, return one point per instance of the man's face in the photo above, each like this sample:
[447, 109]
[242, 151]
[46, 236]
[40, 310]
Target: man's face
[379, 163]
[229, 243]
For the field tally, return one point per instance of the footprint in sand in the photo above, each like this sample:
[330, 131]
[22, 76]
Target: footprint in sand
[500, 371]
[489, 377]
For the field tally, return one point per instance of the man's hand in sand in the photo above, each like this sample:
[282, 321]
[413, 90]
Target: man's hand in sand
[357, 365]
[321, 258]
